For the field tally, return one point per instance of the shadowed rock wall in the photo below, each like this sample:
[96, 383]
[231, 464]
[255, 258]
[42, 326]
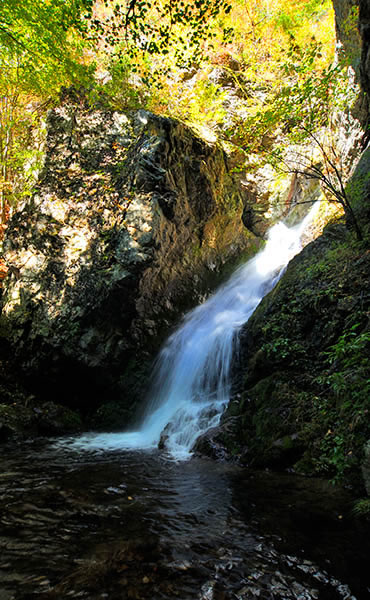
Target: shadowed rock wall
[133, 220]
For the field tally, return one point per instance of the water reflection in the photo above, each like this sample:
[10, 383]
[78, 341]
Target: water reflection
[136, 525]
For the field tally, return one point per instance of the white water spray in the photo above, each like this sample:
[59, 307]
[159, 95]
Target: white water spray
[192, 382]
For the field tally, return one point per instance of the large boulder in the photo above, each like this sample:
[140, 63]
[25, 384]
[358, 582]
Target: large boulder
[133, 220]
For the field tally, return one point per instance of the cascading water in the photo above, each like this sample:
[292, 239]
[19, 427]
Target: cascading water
[192, 382]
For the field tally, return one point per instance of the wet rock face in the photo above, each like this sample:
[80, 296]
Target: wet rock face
[217, 442]
[366, 467]
[133, 220]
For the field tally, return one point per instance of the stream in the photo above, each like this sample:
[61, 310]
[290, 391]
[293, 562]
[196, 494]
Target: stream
[137, 524]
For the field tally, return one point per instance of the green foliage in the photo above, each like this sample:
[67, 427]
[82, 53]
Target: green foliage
[350, 359]
[112, 415]
[41, 50]
[201, 105]
[142, 26]
[345, 406]
[289, 21]
[335, 455]
[301, 103]
[300, 113]
[282, 348]
[349, 347]
[41, 45]
[362, 508]
[120, 89]
[170, 49]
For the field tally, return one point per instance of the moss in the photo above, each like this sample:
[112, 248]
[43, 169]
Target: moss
[305, 362]
[22, 419]
[16, 417]
[362, 508]
[72, 420]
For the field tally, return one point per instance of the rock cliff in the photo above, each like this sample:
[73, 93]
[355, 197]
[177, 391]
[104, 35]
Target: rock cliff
[364, 28]
[348, 35]
[134, 218]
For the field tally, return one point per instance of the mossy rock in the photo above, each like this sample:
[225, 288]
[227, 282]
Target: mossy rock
[304, 363]
[18, 421]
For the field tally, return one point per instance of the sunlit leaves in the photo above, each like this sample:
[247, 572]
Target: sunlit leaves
[160, 55]
[160, 27]
[302, 101]
[43, 40]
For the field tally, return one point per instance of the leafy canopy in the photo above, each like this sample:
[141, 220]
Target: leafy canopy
[161, 56]
[143, 26]
[42, 40]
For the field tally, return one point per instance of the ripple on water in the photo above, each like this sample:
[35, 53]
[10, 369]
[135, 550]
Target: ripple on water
[135, 525]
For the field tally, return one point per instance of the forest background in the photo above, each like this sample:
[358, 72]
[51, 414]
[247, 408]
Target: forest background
[178, 59]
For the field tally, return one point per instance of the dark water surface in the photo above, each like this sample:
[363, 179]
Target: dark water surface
[136, 525]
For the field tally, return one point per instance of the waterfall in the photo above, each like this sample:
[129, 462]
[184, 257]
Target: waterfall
[192, 373]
